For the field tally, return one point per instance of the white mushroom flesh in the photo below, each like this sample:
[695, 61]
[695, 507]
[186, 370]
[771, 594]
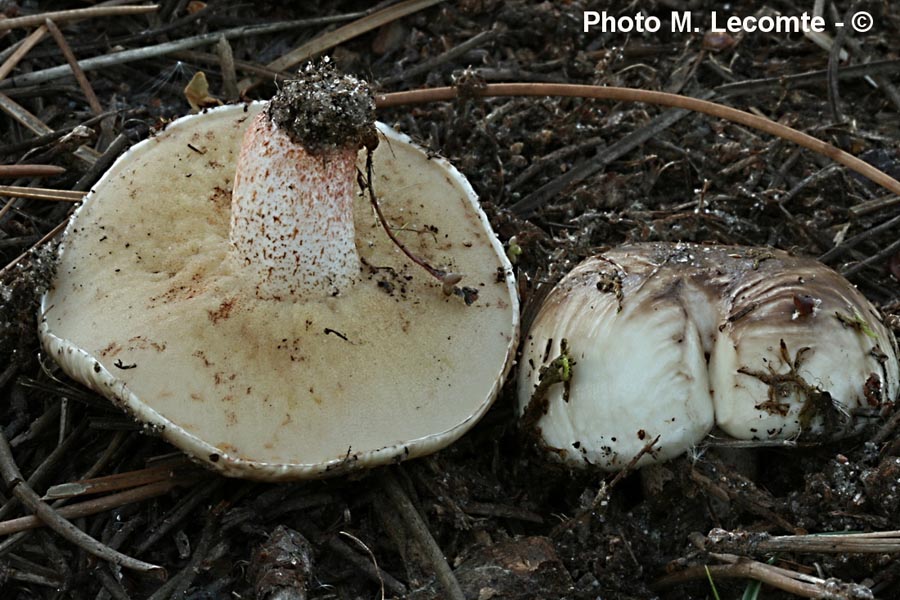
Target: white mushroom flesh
[671, 340]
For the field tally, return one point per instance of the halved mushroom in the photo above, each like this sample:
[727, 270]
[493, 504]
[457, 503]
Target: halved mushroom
[672, 339]
[264, 322]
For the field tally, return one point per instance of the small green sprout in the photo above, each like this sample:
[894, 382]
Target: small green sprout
[856, 322]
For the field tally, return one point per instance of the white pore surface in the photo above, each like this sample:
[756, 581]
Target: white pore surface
[697, 344]
[151, 309]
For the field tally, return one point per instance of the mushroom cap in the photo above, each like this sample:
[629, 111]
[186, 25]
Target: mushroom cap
[150, 310]
[673, 339]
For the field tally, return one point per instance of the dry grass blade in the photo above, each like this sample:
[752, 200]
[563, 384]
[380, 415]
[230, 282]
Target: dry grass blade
[620, 94]
[16, 171]
[16, 191]
[30, 42]
[340, 35]
[66, 16]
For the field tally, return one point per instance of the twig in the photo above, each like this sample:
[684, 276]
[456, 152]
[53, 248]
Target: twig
[126, 56]
[448, 280]
[882, 254]
[52, 136]
[181, 511]
[66, 16]
[178, 585]
[605, 490]
[650, 97]
[371, 554]
[856, 239]
[340, 35]
[36, 479]
[16, 171]
[80, 77]
[834, 59]
[419, 531]
[239, 65]
[527, 205]
[118, 481]
[103, 163]
[787, 82]
[754, 544]
[864, 208]
[20, 114]
[47, 237]
[24, 48]
[426, 66]
[796, 583]
[14, 480]
[18, 191]
[95, 506]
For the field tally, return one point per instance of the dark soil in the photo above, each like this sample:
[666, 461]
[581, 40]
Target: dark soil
[511, 524]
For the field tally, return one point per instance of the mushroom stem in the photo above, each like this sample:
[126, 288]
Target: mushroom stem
[292, 214]
[292, 204]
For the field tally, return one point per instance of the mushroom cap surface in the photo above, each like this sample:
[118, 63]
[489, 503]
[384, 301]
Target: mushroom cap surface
[149, 309]
[674, 339]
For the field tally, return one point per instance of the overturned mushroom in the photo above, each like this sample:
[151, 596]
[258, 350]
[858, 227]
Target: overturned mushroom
[244, 300]
[672, 339]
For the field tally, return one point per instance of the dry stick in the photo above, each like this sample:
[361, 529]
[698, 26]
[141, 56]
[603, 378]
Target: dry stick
[117, 481]
[65, 16]
[783, 579]
[834, 59]
[527, 205]
[80, 77]
[371, 554]
[52, 136]
[14, 480]
[340, 35]
[20, 114]
[47, 237]
[882, 254]
[174, 517]
[177, 587]
[36, 479]
[239, 65]
[856, 239]
[367, 567]
[422, 535]
[869, 206]
[95, 506]
[429, 65]
[27, 44]
[713, 109]
[126, 56]
[16, 171]
[762, 543]
[18, 191]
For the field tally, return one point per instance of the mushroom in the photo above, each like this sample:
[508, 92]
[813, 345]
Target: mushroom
[226, 284]
[669, 340]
